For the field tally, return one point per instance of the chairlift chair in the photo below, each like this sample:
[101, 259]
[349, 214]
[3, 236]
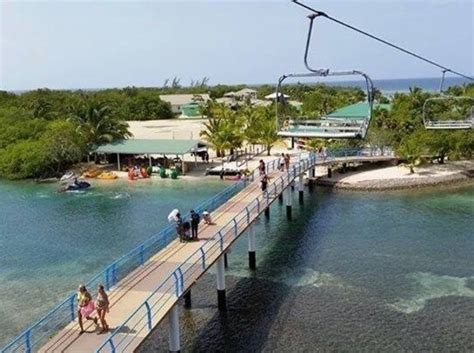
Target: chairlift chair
[326, 128]
[438, 123]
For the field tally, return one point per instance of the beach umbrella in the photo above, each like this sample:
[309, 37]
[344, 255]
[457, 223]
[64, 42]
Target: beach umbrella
[172, 216]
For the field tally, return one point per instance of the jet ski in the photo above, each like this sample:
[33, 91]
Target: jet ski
[76, 186]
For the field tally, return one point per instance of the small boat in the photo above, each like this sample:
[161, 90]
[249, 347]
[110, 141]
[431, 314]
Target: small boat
[230, 168]
[75, 186]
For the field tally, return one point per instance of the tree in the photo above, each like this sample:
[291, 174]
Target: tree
[24, 159]
[410, 150]
[267, 133]
[63, 145]
[96, 125]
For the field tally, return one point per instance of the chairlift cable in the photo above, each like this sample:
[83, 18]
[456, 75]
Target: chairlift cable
[431, 62]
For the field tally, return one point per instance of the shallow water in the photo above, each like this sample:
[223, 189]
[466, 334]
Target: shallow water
[351, 272]
[50, 242]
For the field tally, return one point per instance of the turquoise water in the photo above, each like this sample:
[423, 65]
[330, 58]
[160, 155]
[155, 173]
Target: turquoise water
[352, 272]
[365, 272]
[50, 242]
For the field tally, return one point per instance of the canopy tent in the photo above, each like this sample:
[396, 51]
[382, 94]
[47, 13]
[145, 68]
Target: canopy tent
[149, 147]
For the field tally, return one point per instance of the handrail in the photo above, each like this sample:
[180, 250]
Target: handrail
[65, 312]
[197, 260]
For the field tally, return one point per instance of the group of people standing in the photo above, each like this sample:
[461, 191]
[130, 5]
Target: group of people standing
[283, 164]
[86, 306]
[188, 230]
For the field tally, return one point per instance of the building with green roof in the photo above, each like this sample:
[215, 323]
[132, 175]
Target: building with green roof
[149, 147]
[357, 111]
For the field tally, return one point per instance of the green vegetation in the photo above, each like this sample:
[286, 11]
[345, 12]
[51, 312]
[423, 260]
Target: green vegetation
[44, 132]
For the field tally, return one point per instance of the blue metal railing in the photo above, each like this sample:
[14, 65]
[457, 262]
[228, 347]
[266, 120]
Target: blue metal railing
[65, 312]
[172, 287]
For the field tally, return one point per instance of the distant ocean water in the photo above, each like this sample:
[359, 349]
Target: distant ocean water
[387, 86]
[391, 86]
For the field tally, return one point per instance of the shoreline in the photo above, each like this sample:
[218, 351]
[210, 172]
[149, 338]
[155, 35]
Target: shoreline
[456, 174]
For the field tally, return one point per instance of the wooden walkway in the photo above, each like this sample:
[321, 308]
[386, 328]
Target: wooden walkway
[133, 290]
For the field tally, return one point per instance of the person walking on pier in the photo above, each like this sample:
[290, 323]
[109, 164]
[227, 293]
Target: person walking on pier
[179, 227]
[264, 183]
[287, 162]
[85, 306]
[261, 167]
[102, 307]
[207, 217]
[281, 163]
[194, 225]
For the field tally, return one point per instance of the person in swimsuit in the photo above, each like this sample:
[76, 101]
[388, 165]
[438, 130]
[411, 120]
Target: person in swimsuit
[102, 307]
[85, 306]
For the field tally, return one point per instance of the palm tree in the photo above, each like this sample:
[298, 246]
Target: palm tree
[97, 125]
[267, 133]
[211, 134]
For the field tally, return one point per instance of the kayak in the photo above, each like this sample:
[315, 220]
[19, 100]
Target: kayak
[107, 176]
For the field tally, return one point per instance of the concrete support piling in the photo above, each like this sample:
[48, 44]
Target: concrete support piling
[187, 299]
[267, 212]
[252, 254]
[173, 319]
[221, 302]
[288, 203]
[301, 188]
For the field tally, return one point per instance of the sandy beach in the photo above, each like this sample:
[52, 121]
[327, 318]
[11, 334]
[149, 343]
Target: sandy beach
[399, 177]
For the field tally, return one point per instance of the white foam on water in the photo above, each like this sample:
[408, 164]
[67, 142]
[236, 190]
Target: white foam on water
[431, 286]
[297, 278]
[121, 195]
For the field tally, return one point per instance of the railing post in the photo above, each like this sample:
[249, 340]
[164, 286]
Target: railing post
[107, 281]
[28, 341]
[258, 205]
[112, 346]
[71, 306]
[114, 274]
[142, 254]
[176, 284]
[148, 314]
[248, 214]
[203, 258]
[235, 227]
[181, 280]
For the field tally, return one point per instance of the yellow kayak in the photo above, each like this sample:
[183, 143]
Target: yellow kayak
[107, 176]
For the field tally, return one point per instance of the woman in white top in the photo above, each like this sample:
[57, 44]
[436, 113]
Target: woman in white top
[102, 307]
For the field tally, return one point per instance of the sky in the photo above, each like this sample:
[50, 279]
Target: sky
[98, 44]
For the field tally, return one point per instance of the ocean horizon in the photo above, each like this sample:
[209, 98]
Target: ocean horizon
[387, 86]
